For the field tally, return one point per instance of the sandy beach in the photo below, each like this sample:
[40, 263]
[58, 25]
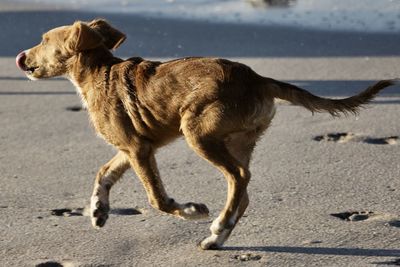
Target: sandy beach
[306, 167]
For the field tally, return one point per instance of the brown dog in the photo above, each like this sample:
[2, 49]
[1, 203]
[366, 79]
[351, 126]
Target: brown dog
[220, 107]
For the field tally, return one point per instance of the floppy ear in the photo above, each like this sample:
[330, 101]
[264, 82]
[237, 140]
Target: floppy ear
[112, 37]
[82, 37]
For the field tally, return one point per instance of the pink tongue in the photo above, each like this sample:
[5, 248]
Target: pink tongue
[20, 60]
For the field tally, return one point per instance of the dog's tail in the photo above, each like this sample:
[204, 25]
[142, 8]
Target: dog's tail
[335, 107]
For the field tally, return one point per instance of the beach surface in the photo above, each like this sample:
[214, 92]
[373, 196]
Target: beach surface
[324, 191]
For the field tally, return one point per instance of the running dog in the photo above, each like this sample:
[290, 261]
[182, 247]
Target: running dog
[220, 107]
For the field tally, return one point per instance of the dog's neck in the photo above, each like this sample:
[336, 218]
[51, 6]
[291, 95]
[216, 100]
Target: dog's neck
[87, 70]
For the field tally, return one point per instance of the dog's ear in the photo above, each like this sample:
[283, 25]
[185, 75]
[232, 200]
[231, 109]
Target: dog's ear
[82, 37]
[112, 37]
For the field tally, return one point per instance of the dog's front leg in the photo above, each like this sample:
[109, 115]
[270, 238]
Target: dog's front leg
[107, 176]
[143, 162]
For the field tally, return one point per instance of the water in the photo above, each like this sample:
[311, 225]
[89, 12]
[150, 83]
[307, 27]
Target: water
[348, 15]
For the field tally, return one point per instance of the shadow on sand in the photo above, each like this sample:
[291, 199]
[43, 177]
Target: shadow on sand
[321, 251]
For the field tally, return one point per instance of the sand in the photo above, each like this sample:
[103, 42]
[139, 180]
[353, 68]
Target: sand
[305, 168]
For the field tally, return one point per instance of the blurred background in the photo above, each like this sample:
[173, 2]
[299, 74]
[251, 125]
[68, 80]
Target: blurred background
[365, 15]
[172, 28]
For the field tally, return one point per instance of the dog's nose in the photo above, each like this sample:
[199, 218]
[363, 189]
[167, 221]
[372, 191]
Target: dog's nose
[20, 60]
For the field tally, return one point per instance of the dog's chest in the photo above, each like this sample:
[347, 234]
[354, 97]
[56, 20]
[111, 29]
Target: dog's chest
[104, 126]
[110, 120]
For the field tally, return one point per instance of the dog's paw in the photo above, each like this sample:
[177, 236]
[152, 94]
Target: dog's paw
[192, 211]
[99, 212]
[209, 243]
[216, 239]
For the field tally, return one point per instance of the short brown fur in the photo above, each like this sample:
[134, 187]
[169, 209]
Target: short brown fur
[220, 107]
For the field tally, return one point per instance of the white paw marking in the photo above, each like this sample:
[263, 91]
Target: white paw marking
[189, 210]
[214, 240]
[99, 207]
[193, 211]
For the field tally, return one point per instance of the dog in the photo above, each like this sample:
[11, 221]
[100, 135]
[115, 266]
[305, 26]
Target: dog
[219, 106]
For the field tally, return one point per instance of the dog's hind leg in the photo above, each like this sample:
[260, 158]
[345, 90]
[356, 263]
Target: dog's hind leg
[237, 174]
[213, 132]
[107, 176]
[143, 162]
[241, 146]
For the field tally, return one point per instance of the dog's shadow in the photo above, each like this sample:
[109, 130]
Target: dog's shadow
[320, 251]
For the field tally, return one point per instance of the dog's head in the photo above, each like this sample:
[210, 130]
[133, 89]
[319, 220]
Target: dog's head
[53, 55]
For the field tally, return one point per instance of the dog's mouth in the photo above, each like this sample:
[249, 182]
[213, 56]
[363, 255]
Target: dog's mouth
[20, 61]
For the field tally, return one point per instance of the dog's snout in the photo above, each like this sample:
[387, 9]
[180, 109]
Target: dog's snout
[20, 60]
